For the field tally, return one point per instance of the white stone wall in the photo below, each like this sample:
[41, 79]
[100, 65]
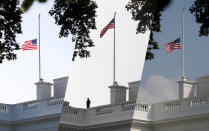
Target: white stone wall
[203, 86]
[5, 128]
[185, 125]
[43, 126]
[141, 128]
[38, 115]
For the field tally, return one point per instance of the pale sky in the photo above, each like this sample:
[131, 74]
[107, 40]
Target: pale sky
[90, 78]
[166, 68]
[87, 77]
[17, 77]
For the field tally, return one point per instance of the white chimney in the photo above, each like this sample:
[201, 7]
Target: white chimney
[133, 90]
[43, 90]
[203, 86]
[60, 85]
[186, 88]
[117, 94]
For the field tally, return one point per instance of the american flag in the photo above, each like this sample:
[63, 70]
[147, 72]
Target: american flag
[30, 45]
[111, 25]
[173, 45]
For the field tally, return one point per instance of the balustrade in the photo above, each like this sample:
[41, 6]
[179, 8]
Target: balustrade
[199, 101]
[104, 110]
[3, 108]
[134, 106]
[71, 111]
[55, 101]
[191, 102]
[31, 106]
[172, 106]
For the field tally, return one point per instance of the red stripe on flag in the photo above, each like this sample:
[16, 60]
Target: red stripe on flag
[111, 25]
[29, 45]
[172, 46]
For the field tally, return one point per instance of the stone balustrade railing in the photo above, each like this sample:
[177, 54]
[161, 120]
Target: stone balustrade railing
[106, 109]
[56, 101]
[199, 101]
[134, 106]
[172, 106]
[3, 108]
[71, 111]
[180, 108]
[186, 103]
[127, 106]
[30, 109]
[35, 105]
[31, 105]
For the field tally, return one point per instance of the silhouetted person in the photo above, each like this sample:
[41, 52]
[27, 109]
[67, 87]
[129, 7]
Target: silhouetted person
[88, 102]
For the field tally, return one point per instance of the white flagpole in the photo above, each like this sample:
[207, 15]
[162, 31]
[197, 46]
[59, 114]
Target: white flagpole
[182, 42]
[39, 47]
[114, 81]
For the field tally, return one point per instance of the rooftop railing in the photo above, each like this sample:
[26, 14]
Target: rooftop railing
[56, 101]
[35, 105]
[107, 109]
[134, 106]
[3, 108]
[180, 108]
[31, 109]
[105, 113]
[31, 105]
[186, 103]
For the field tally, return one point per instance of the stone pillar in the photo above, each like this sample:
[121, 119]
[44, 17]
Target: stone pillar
[133, 90]
[186, 88]
[117, 94]
[43, 90]
[60, 85]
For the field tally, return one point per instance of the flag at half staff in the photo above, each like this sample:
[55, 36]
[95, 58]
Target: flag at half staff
[173, 45]
[111, 25]
[30, 45]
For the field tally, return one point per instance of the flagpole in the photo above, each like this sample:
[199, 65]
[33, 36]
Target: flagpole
[182, 41]
[114, 81]
[39, 49]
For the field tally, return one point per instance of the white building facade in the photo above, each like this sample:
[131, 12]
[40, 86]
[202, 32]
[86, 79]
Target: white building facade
[42, 114]
[188, 113]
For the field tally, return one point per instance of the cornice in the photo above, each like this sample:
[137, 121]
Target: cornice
[126, 123]
[112, 125]
[41, 119]
[30, 121]
[4, 123]
[180, 121]
[139, 123]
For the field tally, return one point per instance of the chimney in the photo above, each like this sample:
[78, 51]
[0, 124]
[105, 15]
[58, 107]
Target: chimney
[60, 85]
[117, 94]
[133, 90]
[186, 88]
[43, 90]
[203, 86]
